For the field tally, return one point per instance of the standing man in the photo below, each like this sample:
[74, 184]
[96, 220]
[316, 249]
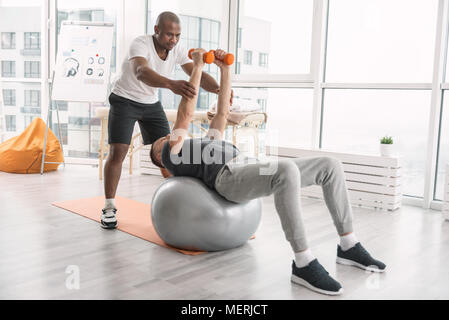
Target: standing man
[150, 62]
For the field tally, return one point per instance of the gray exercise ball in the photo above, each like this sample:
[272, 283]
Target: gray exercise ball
[188, 215]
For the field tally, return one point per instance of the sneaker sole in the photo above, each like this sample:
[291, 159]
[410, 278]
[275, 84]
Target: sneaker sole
[348, 262]
[108, 227]
[304, 283]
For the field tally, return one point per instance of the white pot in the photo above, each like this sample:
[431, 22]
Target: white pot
[386, 150]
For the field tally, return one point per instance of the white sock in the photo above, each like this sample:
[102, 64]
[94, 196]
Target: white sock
[348, 241]
[303, 258]
[109, 203]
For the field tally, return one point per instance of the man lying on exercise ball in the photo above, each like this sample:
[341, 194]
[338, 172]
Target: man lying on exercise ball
[218, 164]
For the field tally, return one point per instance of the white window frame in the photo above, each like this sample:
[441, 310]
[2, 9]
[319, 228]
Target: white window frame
[314, 80]
[267, 80]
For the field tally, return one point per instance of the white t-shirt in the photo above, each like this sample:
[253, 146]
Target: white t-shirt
[128, 86]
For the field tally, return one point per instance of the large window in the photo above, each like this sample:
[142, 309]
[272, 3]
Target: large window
[80, 128]
[197, 30]
[32, 69]
[8, 69]
[351, 69]
[356, 120]
[284, 128]
[8, 40]
[278, 28]
[381, 41]
[20, 27]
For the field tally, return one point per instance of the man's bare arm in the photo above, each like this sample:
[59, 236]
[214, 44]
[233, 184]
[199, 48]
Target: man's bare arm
[144, 73]
[186, 107]
[219, 122]
[208, 83]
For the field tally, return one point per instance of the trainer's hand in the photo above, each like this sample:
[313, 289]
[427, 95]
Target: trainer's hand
[182, 88]
[219, 56]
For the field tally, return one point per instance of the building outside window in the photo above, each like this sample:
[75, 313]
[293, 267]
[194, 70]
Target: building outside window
[32, 98]
[8, 69]
[263, 60]
[32, 103]
[32, 40]
[64, 132]
[262, 103]
[32, 69]
[8, 40]
[27, 120]
[9, 97]
[248, 58]
[61, 105]
[10, 123]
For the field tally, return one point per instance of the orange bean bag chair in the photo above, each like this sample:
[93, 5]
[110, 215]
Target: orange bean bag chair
[23, 154]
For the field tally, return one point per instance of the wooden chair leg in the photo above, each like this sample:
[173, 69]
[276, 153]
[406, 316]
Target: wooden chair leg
[256, 142]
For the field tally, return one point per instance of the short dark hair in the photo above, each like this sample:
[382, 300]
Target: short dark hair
[154, 158]
[167, 16]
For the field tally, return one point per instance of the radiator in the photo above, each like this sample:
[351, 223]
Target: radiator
[372, 181]
[446, 194]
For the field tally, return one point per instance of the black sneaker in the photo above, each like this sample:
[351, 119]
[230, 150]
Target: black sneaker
[108, 219]
[357, 256]
[316, 278]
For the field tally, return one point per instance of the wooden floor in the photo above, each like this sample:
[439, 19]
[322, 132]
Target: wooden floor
[38, 242]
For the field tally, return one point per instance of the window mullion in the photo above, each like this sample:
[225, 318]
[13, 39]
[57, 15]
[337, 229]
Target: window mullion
[436, 103]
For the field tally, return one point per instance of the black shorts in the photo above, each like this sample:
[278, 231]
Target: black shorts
[123, 115]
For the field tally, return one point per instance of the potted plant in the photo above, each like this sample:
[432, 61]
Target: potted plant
[386, 146]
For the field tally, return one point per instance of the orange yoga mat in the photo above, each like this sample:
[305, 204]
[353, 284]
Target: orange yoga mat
[133, 217]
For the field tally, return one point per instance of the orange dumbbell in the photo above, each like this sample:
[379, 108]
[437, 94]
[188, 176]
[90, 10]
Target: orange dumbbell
[208, 57]
[228, 58]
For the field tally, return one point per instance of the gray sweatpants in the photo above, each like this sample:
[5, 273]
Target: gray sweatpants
[240, 182]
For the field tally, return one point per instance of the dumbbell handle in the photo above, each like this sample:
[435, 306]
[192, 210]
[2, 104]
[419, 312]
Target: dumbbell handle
[227, 59]
[208, 57]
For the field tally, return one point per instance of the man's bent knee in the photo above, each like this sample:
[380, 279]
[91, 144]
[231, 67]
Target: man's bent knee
[118, 152]
[288, 172]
